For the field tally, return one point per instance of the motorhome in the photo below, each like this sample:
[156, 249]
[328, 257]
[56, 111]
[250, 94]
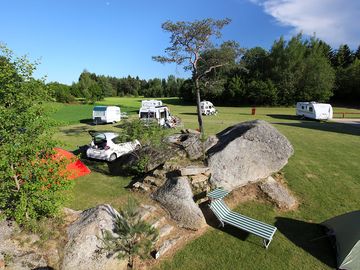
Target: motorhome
[207, 108]
[106, 114]
[150, 111]
[314, 110]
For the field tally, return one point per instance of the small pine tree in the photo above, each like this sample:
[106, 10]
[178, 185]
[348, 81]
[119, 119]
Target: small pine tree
[131, 236]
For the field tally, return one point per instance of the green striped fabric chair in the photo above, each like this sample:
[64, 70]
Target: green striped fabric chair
[225, 215]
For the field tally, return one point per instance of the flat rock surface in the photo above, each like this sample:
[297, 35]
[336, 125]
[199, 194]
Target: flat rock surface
[278, 193]
[247, 152]
[177, 198]
[193, 170]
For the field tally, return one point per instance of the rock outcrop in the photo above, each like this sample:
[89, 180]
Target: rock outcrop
[278, 193]
[84, 241]
[247, 152]
[176, 196]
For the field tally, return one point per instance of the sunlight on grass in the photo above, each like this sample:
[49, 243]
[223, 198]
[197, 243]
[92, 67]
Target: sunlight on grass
[323, 174]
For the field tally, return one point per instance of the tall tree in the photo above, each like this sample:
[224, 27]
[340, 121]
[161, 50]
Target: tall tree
[343, 57]
[357, 53]
[188, 40]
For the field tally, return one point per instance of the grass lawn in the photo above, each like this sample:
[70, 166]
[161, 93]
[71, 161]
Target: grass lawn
[323, 173]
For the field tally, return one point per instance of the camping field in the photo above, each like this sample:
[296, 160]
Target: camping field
[323, 174]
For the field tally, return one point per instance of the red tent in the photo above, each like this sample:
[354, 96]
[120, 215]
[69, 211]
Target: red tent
[76, 168]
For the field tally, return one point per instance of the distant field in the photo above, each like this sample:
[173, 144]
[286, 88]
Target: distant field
[79, 113]
[323, 173]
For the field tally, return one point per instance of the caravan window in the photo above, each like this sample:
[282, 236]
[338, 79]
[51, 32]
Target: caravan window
[302, 107]
[310, 109]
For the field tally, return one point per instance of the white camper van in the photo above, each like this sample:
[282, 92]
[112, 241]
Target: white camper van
[158, 113]
[106, 114]
[313, 110]
[207, 108]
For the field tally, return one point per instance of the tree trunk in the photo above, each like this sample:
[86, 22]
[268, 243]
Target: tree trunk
[198, 100]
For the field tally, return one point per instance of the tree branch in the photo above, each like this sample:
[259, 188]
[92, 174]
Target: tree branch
[15, 177]
[210, 69]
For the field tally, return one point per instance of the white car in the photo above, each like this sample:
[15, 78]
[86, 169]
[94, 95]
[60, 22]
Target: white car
[108, 146]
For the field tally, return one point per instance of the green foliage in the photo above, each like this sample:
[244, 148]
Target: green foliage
[149, 133]
[61, 92]
[262, 92]
[348, 83]
[31, 181]
[131, 236]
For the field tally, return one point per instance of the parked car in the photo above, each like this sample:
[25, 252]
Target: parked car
[207, 108]
[109, 146]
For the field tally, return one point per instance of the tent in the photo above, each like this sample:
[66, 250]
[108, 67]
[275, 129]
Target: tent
[346, 229]
[75, 168]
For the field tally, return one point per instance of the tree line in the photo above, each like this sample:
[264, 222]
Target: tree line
[91, 87]
[295, 70]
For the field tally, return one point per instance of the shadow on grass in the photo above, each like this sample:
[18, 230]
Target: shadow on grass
[75, 130]
[284, 116]
[212, 221]
[186, 113]
[326, 126]
[310, 237]
[88, 121]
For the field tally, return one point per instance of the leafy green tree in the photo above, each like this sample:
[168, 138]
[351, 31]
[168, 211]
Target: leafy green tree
[317, 77]
[348, 83]
[105, 86]
[256, 61]
[286, 62]
[61, 92]
[32, 182]
[262, 92]
[188, 40]
[235, 90]
[131, 236]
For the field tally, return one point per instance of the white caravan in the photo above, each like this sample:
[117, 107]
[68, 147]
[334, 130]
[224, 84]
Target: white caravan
[313, 110]
[106, 114]
[207, 108]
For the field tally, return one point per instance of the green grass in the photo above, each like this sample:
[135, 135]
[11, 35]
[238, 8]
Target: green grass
[323, 173]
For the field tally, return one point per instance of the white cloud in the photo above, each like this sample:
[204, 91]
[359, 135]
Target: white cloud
[334, 21]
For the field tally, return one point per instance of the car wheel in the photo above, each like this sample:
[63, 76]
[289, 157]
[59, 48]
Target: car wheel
[112, 157]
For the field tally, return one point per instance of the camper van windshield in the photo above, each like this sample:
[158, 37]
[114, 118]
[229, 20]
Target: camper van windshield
[147, 115]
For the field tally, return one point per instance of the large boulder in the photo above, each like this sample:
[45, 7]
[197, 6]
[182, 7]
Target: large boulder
[247, 152]
[176, 196]
[84, 241]
[147, 158]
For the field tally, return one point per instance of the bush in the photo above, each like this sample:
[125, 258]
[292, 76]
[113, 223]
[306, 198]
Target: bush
[32, 182]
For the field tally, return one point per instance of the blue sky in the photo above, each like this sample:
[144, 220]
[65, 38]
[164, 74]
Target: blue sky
[118, 37]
